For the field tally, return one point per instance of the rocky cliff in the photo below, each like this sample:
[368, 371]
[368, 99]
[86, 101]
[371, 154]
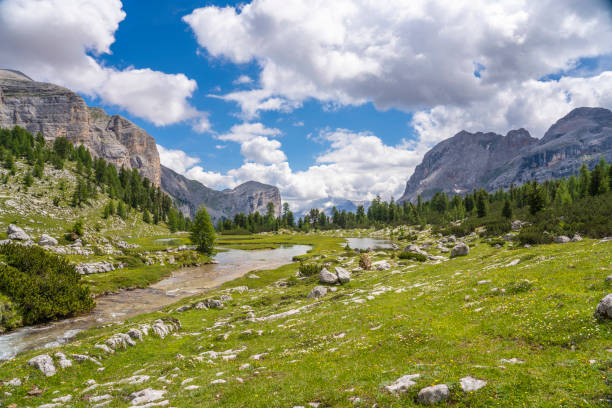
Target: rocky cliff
[246, 198]
[488, 160]
[58, 112]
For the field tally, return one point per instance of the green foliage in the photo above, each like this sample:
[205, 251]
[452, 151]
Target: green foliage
[78, 228]
[497, 227]
[310, 269]
[412, 255]
[521, 286]
[28, 180]
[131, 261]
[43, 286]
[533, 236]
[146, 217]
[507, 210]
[203, 232]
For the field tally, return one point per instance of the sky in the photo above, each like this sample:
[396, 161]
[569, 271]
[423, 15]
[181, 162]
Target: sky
[320, 98]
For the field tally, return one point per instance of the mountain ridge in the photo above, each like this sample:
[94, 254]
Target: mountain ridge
[462, 163]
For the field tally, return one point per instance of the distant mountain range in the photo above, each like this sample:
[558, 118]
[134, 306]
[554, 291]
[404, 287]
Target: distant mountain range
[58, 112]
[327, 204]
[488, 160]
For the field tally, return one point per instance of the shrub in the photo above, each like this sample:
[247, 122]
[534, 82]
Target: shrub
[310, 269]
[365, 262]
[534, 236]
[497, 227]
[412, 255]
[43, 286]
[131, 261]
[499, 242]
[519, 287]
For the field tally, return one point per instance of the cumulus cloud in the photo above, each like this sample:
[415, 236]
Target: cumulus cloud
[176, 160]
[412, 55]
[58, 41]
[355, 166]
[242, 80]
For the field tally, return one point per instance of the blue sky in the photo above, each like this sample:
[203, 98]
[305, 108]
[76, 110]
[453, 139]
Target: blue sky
[323, 99]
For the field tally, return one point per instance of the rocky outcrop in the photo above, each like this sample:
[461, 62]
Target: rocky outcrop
[56, 112]
[246, 198]
[487, 160]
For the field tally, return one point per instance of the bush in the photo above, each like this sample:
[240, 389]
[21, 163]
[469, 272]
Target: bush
[310, 269]
[497, 227]
[412, 255]
[131, 261]
[43, 286]
[519, 287]
[365, 262]
[534, 236]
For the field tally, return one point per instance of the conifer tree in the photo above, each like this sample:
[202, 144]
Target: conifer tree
[203, 232]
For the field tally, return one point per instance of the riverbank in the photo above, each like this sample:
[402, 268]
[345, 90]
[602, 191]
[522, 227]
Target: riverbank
[519, 319]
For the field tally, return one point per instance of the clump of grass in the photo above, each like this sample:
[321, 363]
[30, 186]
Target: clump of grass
[521, 286]
[412, 255]
[310, 269]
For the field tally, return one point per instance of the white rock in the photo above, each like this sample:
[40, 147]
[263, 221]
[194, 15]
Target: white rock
[433, 394]
[327, 277]
[461, 249]
[16, 233]
[317, 292]
[604, 308]
[47, 240]
[403, 383]
[44, 363]
[344, 276]
[512, 360]
[63, 360]
[65, 398]
[219, 381]
[145, 396]
[562, 239]
[470, 384]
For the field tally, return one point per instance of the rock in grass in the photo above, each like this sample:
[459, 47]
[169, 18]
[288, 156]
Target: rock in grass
[16, 233]
[317, 292]
[44, 363]
[470, 384]
[344, 276]
[145, 396]
[433, 394]
[562, 239]
[609, 278]
[402, 384]
[47, 240]
[327, 277]
[461, 249]
[576, 238]
[63, 360]
[604, 308]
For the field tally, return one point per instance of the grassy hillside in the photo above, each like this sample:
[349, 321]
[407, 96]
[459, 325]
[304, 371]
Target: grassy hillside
[520, 319]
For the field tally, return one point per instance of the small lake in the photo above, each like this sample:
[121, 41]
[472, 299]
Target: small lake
[369, 243]
[232, 264]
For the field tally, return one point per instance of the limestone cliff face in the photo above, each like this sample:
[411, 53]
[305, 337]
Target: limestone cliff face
[58, 112]
[491, 161]
[246, 198]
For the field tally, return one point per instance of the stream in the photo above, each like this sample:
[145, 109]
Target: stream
[117, 307]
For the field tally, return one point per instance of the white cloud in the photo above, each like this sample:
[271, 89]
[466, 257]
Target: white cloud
[262, 150]
[356, 166]
[176, 160]
[247, 131]
[242, 80]
[58, 41]
[412, 55]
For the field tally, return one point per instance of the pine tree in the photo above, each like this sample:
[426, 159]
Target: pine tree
[121, 210]
[482, 204]
[599, 183]
[537, 198]
[507, 210]
[146, 217]
[202, 232]
[28, 180]
[584, 180]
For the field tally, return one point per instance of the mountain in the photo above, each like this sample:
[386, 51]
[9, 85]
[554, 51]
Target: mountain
[58, 112]
[490, 161]
[246, 198]
[326, 205]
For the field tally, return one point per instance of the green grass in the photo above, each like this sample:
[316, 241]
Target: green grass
[139, 277]
[422, 324]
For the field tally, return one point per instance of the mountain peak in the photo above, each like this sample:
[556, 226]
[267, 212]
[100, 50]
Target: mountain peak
[14, 75]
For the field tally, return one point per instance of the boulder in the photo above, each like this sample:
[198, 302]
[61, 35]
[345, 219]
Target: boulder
[317, 292]
[44, 363]
[516, 225]
[562, 239]
[63, 360]
[135, 334]
[16, 233]
[327, 277]
[604, 308]
[433, 394]
[344, 276]
[470, 384]
[576, 238]
[47, 240]
[415, 249]
[381, 265]
[461, 249]
[402, 384]
[146, 396]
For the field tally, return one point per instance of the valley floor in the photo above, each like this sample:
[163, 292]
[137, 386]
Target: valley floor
[520, 319]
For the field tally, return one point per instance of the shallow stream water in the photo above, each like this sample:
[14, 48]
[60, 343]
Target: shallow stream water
[117, 307]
